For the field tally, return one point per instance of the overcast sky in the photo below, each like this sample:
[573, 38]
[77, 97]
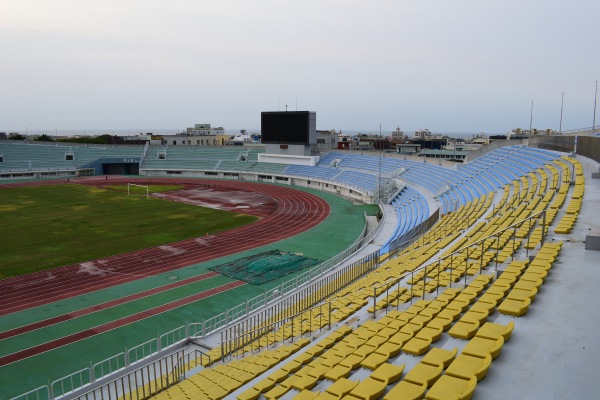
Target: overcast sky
[450, 66]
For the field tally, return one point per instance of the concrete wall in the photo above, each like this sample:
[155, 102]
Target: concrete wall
[331, 187]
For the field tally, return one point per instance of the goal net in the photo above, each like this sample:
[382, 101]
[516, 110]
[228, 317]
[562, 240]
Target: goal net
[133, 188]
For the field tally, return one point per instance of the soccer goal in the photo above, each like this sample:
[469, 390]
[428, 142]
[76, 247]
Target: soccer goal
[132, 188]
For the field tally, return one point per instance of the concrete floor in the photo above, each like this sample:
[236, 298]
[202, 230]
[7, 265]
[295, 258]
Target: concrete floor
[554, 351]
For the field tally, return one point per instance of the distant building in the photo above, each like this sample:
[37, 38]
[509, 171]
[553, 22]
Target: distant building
[205, 129]
[397, 135]
[3, 135]
[327, 140]
[408, 148]
[423, 134]
[199, 135]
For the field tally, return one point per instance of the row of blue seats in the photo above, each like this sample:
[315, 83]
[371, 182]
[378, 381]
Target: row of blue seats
[411, 209]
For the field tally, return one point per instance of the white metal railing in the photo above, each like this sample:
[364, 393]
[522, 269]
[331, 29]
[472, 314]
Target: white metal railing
[223, 319]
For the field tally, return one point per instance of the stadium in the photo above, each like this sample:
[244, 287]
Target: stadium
[364, 276]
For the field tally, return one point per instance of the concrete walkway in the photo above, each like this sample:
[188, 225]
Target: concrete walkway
[554, 351]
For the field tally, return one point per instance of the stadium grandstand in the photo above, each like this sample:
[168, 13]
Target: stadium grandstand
[478, 281]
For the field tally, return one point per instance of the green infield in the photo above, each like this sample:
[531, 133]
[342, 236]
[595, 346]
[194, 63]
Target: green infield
[49, 226]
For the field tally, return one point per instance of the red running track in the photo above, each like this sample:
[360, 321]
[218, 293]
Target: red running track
[295, 212]
[75, 337]
[102, 306]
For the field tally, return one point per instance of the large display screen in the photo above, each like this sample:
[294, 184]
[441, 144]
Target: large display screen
[288, 127]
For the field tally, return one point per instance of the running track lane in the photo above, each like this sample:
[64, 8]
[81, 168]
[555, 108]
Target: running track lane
[75, 337]
[296, 212]
[130, 268]
[102, 306]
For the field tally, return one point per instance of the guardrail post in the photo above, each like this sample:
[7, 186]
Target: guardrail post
[412, 277]
[424, 279]
[497, 250]
[543, 227]
[374, 302]
[466, 266]
[437, 289]
[451, 268]
[514, 238]
[528, 236]
[481, 259]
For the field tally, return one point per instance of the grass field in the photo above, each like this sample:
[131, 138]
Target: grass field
[48, 226]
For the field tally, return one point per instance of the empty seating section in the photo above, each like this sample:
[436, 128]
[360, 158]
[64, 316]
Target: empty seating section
[228, 159]
[360, 179]
[411, 209]
[30, 157]
[414, 303]
[312, 172]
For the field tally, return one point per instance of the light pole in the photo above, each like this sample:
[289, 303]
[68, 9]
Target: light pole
[595, 99]
[562, 101]
[379, 172]
[531, 117]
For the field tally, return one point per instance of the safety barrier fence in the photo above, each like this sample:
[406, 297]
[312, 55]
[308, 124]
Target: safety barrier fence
[270, 334]
[305, 298]
[244, 309]
[387, 288]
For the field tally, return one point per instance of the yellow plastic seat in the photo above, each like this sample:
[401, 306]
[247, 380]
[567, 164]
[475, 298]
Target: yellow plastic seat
[250, 394]
[439, 357]
[452, 388]
[400, 338]
[276, 392]
[352, 361]
[388, 373]
[451, 313]
[338, 372]
[491, 330]
[405, 390]
[306, 395]
[480, 347]
[464, 329]
[374, 360]
[291, 367]
[305, 382]
[411, 328]
[331, 359]
[424, 374]
[365, 350]
[513, 307]
[369, 389]
[417, 346]
[430, 332]
[483, 307]
[341, 387]
[522, 294]
[465, 367]
[440, 322]
[389, 349]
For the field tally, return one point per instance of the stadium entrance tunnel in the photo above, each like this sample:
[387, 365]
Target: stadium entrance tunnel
[115, 166]
[120, 169]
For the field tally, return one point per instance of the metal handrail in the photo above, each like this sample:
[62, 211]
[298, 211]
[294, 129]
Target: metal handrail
[393, 281]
